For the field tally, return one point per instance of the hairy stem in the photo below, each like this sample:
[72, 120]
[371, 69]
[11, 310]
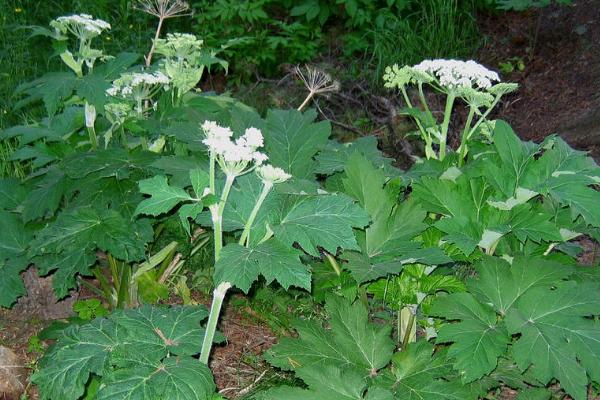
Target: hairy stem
[465, 136]
[217, 216]
[424, 134]
[446, 124]
[211, 174]
[409, 328]
[244, 239]
[93, 137]
[213, 318]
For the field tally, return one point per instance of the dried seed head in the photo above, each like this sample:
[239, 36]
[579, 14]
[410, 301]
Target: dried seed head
[316, 81]
[163, 8]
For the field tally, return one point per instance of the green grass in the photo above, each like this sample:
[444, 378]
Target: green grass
[434, 29]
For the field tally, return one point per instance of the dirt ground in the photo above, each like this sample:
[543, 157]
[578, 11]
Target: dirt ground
[559, 85]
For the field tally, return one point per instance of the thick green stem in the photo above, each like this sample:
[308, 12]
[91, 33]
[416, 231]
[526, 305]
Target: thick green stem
[93, 137]
[446, 124]
[424, 134]
[244, 239]
[217, 216]
[211, 174]
[211, 326]
[465, 136]
[408, 326]
[424, 104]
[484, 116]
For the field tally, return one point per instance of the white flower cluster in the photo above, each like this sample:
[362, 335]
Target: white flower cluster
[127, 83]
[82, 25]
[453, 74]
[233, 155]
[270, 174]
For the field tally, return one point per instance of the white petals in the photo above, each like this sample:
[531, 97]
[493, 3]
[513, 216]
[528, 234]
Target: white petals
[456, 74]
[233, 156]
[270, 174]
[80, 23]
[140, 81]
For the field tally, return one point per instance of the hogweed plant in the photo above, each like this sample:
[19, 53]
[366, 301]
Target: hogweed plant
[457, 80]
[84, 28]
[235, 158]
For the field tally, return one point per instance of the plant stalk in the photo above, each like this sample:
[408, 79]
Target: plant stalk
[245, 238]
[306, 100]
[156, 36]
[446, 124]
[213, 318]
[408, 328]
[217, 216]
[465, 137]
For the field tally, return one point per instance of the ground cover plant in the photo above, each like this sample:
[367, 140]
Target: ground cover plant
[451, 280]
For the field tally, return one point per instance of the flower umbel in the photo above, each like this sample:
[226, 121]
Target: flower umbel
[83, 26]
[316, 81]
[233, 156]
[456, 73]
[269, 174]
[163, 8]
[138, 87]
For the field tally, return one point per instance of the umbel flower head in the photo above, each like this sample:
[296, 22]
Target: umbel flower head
[83, 26]
[450, 75]
[316, 81]
[233, 156]
[181, 46]
[138, 87]
[128, 83]
[456, 73]
[271, 175]
[163, 8]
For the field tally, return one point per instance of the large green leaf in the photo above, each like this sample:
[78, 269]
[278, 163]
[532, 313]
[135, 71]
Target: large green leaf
[173, 378]
[335, 156]
[551, 169]
[387, 243]
[501, 284]
[163, 197]
[81, 351]
[351, 343]
[292, 139]
[549, 318]
[11, 284]
[13, 245]
[137, 354]
[89, 228]
[419, 374]
[478, 339]
[52, 88]
[273, 260]
[558, 339]
[329, 382]
[319, 221]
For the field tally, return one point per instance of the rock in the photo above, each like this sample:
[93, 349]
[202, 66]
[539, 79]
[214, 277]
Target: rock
[13, 374]
[40, 301]
[583, 131]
